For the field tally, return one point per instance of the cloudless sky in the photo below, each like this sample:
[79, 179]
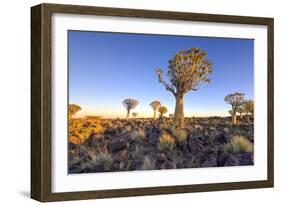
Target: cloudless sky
[106, 68]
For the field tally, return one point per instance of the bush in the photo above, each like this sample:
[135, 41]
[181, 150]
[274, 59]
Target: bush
[166, 142]
[238, 144]
[104, 159]
[148, 164]
[179, 134]
[138, 134]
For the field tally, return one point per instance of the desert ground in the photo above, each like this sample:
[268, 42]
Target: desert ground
[107, 145]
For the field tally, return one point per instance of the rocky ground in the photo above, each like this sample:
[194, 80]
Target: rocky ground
[142, 144]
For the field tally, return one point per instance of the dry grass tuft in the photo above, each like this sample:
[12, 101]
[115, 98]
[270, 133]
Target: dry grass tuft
[238, 144]
[166, 142]
[148, 163]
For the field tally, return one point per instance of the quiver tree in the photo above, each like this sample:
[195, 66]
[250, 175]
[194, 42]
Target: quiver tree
[230, 112]
[129, 104]
[162, 110]
[73, 109]
[154, 105]
[187, 70]
[248, 108]
[135, 114]
[236, 100]
[240, 110]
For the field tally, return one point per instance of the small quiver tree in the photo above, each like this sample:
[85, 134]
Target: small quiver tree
[135, 114]
[154, 105]
[249, 108]
[162, 110]
[129, 104]
[187, 70]
[236, 100]
[73, 109]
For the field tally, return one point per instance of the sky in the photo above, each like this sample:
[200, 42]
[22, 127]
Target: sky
[106, 68]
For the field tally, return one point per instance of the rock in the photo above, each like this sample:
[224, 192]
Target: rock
[190, 129]
[111, 132]
[161, 157]
[198, 127]
[194, 145]
[116, 144]
[96, 168]
[153, 139]
[222, 159]
[168, 165]
[74, 140]
[210, 162]
[179, 165]
[132, 146]
[226, 130]
[190, 161]
[239, 159]
[121, 156]
[115, 166]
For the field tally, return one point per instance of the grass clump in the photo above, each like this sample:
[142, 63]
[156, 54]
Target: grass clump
[166, 142]
[148, 163]
[104, 159]
[238, 144]
[179, 134]
[138, 134]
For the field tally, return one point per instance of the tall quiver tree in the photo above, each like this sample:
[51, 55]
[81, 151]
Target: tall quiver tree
[187, 70]
[154, 105]
[73, 109]
[129, 104]
[236, 100]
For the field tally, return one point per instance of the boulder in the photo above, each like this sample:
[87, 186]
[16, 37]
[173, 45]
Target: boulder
[239, 159]
[116, 144]
[161, 157]
[121, 155]
[210, 162]
[74, 140]
[168, 165]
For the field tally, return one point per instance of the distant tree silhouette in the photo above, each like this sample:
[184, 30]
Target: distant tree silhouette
[154, 105]
[187, 70]
[162, 110]
[129, 104]
[135, 114]
[73, 109]
[236, 100]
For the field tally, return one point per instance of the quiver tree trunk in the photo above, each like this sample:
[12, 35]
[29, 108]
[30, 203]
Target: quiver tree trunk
[248, 118]
[154, 115]
[128, 114]
[234, 118]
[179, 115]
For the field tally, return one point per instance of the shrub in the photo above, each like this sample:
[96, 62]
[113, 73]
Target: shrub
[180, 135]
[166, 142]
[163, 126]
[148, 164]
[138, 134]
[104, 159]
[238, 144]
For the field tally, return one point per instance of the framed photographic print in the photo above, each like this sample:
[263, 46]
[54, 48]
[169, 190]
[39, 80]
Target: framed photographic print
[130, 102]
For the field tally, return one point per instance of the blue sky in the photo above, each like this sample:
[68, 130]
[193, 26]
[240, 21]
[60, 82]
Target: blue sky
[106, 68]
